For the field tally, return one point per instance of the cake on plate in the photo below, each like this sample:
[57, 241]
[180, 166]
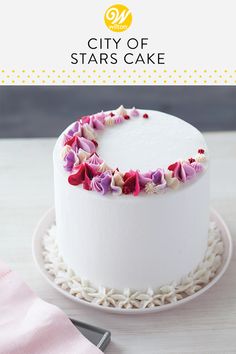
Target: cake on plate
[131, 203]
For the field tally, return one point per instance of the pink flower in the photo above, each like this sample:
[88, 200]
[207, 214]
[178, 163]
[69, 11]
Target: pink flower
[102, 183]
[94, 161]
[183, 171]
[158, 178]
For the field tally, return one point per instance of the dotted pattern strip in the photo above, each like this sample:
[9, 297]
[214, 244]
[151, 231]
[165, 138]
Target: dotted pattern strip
[117, 77]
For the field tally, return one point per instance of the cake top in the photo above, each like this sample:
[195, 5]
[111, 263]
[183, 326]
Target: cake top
[145, 144]
[132, 151]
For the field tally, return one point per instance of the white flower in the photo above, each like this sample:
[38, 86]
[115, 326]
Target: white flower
[167, 294]
[89, 132]
[127, 299]
[65, 279]
[103, 297]
[121, 111]
[109, 121]
[82, 155]
[82, 290]
[151, 188]
[149, 299]
[171, 182]
[104, 167]
[65, 151]
[200, 157]
[55, 267]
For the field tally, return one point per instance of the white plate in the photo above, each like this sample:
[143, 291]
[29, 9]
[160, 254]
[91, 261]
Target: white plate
[49, 218]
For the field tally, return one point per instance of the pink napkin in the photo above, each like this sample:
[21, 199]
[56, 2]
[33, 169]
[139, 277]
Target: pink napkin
[29, 325]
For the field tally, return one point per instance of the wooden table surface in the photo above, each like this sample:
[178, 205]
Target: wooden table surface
[206, 325]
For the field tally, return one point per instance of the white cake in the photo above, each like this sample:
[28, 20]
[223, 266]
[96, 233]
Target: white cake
[138, 230]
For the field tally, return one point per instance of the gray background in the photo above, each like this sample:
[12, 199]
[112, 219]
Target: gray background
[45, 111]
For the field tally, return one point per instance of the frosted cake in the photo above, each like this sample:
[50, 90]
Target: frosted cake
[131, 202]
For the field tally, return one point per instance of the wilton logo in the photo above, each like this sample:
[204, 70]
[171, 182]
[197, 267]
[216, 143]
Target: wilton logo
[118, 18]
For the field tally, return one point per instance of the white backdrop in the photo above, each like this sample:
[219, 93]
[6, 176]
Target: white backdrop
[37, 39]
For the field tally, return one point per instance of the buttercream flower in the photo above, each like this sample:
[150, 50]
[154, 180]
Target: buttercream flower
[183, 171]
[101, 183]
[151, 188]
[190, 171]
[127, 299]
[171, 181]
[104, 297]
[134, 112]
[88, 132]
[97, 121]
[86, 145]
[118, 119]
[83, 175]
[118, 177]
[70, 159]
[159, 179]
[65, 151]
[75, 130]
[77, 142]
[70, 141]
[85, 119]
[200, 157]
[101, 116]
[145, 178]
[115, 189]
[98, 124]
[131, 183]
[117, 183]
[82, 155]
[104, 167]
[197, 166]
[95, 161]
[109, 121]
[121, 111]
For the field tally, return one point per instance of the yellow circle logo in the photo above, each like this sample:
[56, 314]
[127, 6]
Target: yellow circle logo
[118, 18]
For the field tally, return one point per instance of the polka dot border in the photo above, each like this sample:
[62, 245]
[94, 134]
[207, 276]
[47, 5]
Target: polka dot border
[117, 77]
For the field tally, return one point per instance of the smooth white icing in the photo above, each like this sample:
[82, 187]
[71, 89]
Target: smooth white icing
[144, 144]
[137, 242]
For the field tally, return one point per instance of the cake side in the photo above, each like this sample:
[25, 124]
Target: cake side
[133, 242]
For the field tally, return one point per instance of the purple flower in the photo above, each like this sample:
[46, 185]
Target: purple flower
[183, 171]
[95, 161]
[134, 112]
[145, 178]
[189, 170]
[197, 167]
[69, 159]
[86, 145]
[101, 184]
[158, 178]
[97, 121]
[75, 130]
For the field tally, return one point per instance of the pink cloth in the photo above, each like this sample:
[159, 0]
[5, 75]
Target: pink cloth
[29, 325]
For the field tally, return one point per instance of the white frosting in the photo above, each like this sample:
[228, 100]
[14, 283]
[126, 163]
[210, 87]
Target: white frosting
[137, 242]
[127, 298]
[144, 144]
